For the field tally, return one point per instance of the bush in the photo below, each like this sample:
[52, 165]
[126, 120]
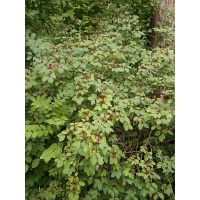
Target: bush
[100, 114]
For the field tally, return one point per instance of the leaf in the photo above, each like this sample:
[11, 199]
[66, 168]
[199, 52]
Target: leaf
[87, 171]
[51, 152]
[61, 137]
[161, 195]
[81, 183]
[169, 117]
[113, 174]
[50, 80]
[93, 160]
[151, 189]
[28, 159]
[118, 174]
[162, 137]
[76, 64]
[53, 75]
[154, 185]
[140, 126]
[80, 100]
[35, 134]
[102, 145]
[169, 190]
[67, 171]
[99, 184]
[45, 78]
[146, 125]
[111, 160]
[60, 164]
[126, 172]
[28, 134]
[126, 127]
[71, 196]
[170, 132]
[76, 197]
[35, 163]
[130, 181]
[60, 70]
[155, 196]
[28, 57]
[100, 161]
[26, 168]
[158, 121]
[77, 145]
[108, 130]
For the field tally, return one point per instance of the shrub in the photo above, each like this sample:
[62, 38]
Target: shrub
[100, 114]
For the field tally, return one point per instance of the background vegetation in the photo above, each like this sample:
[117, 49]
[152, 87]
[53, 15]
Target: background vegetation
[99, 100]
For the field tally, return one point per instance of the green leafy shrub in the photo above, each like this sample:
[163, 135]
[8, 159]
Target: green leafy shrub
[100, 114]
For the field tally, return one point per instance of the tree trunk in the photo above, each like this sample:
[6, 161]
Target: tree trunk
[163, 18]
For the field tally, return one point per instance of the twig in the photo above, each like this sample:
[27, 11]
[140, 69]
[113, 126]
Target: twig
[148, 138]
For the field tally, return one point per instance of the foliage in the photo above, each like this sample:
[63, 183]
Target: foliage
[99, 111]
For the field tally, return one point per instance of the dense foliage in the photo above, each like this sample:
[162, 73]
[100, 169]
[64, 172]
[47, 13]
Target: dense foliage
[99, 102]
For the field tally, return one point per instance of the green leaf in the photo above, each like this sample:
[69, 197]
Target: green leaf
[155, 196]
[60, 70]
[71, 196]
[146, 125]
[169, 117]
[169, 190]
[53, 75]
[28, 159]
[26, 168]
[45, 78]
[111, 160]
[158, 121]
[28, 57]
[140, 126]
[161, 195]
[130, 181]
[76, 197]
[61, 137]
[162, 137]
[154, 185]
[118, 174]
[93, 160]
[100, 161]
[126, 127]
[108, 130]
[67, 171]
[113, 174]
[35, 163]
[77, 145]
[50, 80]
[82, 183]
[126, 172]
[151, 189]
[59, 164]
[51, 152]
[35, 134]
[80, 100]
